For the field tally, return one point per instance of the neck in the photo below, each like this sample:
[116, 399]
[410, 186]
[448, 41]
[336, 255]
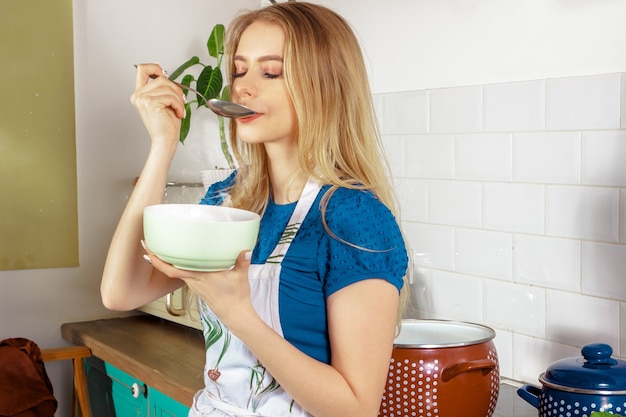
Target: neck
[286, 177]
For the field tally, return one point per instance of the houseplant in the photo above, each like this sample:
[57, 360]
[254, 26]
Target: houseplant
[210, 82]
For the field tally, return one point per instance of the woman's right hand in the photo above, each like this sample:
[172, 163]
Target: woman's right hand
[160, 103]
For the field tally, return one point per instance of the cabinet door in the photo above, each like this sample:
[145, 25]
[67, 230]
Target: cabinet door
[163, 406]
[113, 392]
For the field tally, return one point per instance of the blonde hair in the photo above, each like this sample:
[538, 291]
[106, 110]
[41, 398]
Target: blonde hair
[337, 138]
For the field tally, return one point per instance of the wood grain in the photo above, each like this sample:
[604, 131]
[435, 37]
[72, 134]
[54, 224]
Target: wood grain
[164, 355]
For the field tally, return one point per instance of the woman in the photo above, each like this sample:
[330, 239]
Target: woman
[303, 325]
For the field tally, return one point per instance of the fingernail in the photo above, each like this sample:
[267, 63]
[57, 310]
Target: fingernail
[143, 244]
[147, 258]
[247, 256]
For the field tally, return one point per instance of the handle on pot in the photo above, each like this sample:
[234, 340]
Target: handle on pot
[484, 365]
[530, 393]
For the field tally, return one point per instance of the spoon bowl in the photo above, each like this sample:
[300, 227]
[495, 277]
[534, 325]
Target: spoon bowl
[229, 109]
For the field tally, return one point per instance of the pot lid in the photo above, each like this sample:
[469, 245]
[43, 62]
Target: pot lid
[441, 334]
[596, 371]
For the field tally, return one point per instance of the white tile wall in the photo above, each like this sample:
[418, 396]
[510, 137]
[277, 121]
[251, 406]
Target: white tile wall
[515, 107]
[484, 253]
[485, 157]
[583, 103]
[547, 157]
[513, 200]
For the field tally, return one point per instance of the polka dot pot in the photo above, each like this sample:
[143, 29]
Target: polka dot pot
[442, 369]
[577, 387]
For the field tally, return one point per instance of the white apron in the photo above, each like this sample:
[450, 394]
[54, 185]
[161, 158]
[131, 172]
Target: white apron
[236, 384]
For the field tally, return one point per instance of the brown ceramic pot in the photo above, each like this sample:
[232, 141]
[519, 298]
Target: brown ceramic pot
[442, 369]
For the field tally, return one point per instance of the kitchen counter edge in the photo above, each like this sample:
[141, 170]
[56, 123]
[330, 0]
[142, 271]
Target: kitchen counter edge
[165, 356]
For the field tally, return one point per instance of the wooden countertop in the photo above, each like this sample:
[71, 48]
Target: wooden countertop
[164, 355]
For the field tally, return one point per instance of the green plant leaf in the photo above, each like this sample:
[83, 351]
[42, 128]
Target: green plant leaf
[185, 124]
[225, 93]
[194, 60]
[215, 44]
[209, 84]
[187, 80]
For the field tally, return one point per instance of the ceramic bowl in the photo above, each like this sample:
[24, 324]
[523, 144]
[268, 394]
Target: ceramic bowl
[199, 237]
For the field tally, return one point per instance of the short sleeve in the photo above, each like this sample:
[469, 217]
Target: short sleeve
[367, 241]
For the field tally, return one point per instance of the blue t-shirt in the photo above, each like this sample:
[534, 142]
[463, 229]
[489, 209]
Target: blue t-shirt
[318, 264]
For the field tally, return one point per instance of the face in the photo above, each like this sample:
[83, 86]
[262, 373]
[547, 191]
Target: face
[259, 83]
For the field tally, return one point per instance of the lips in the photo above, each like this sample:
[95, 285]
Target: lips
[249, 119]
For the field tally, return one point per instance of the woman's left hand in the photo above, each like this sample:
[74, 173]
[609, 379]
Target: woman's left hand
[226, 292]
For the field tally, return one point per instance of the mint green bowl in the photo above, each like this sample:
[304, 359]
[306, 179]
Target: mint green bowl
[199, 237]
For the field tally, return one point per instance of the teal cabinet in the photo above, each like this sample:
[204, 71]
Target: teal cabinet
[114, 393]
[163, 406]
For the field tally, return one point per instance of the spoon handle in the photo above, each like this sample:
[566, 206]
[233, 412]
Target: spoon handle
[184, 87]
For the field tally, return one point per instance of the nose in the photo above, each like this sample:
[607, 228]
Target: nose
[244, 86]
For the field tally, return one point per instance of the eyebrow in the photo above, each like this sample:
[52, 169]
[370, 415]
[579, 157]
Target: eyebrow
[264, 58]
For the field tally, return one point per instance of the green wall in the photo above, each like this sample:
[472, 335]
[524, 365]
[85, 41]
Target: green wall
[38, 201]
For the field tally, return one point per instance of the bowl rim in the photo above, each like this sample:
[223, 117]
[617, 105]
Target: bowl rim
[161, 211]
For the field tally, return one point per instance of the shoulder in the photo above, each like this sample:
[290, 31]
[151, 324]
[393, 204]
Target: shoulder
[358, 217]
[363, 240]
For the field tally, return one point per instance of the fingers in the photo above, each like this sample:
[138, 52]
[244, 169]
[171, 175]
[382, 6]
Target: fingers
[145, 72]
[154, 93]
[243, 260]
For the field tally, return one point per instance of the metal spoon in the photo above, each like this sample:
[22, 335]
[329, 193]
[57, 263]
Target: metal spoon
[219, 107]
[229, 109]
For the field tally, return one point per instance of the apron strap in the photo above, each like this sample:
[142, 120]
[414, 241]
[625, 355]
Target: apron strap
[309, 194]
[229, 409]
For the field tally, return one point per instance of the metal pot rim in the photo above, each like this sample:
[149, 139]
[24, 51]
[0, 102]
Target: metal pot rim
[574, 390]
[487, 334]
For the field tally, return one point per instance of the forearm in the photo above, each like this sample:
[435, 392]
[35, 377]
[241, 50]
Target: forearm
[128, 281]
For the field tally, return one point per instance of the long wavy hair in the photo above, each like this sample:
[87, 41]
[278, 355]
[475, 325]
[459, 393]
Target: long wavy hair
[337, 136]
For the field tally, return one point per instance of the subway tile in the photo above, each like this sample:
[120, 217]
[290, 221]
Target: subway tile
[429, 156]
[504, 347]
[405, 112]
[413, 198]
[514, 306]
[603, 159]
[548, 262]
[420, 302]
[588, 102]
[603, 267]
[576, 319]
[484, 253]
[518, 106]
[513, 207]
[455, 203]
[456, 296]
[547, 157]
[485, 157]
[394, 147]
[582, 212]
[456, 109]
[433, 246]
[533, 356]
